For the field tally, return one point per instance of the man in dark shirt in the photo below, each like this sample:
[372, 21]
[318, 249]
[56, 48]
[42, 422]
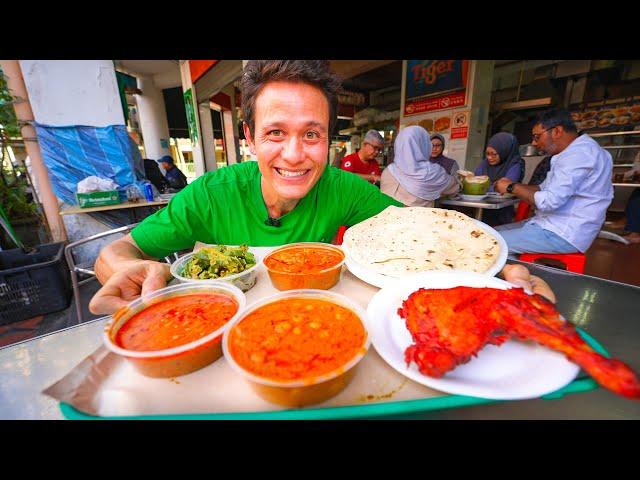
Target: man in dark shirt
[154, 175]
[175, 178]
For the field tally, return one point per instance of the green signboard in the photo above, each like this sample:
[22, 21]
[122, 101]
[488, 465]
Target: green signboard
[191, 116]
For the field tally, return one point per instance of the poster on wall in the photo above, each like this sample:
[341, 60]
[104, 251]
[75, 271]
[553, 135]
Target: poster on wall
[460, 124]
[453, 125]
[432, 85]
[191, 116]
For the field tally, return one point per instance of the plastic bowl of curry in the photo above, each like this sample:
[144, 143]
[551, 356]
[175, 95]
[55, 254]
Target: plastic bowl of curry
[305, 265]
[299, 347]
[175, 330]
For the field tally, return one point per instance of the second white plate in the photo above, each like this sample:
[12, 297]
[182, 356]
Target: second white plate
[513, 371]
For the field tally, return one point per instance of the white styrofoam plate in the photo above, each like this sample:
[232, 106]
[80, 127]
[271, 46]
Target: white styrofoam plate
[515, 370]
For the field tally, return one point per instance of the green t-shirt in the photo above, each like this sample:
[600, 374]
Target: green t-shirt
[226, 207]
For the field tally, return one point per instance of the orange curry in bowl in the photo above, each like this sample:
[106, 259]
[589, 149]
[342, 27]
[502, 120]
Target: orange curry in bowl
[296, 338]
[312, 265]
[176, 321]
[303, 259]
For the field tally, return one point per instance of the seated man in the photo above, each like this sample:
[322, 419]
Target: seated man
[154, 175]
[571, 203]
[363, 162]
[176, 179]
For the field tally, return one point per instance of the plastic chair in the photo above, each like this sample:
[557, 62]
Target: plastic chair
[574, 262]
[523, 211]
[87, 269]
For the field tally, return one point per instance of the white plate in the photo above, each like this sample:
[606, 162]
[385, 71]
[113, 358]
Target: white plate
[513, 371]
[472, 198]
[381, 281]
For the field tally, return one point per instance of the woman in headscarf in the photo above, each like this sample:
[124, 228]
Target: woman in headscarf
[437, 147]
[412, 178]
[502, 160]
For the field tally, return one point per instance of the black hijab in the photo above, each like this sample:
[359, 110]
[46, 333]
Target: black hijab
[506, 145]
[444, 162]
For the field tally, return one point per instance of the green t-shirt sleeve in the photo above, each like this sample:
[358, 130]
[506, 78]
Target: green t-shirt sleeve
[173, 228]
[363, 200]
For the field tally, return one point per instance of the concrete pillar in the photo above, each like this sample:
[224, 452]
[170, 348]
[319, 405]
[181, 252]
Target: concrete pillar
[15, 82]
[153, 119]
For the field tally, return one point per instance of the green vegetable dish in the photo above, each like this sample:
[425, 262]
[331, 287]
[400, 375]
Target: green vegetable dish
[218, 261]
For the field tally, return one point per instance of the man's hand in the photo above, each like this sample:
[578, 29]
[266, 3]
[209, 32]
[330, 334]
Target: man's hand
[501, 185]
[519, 275]
[139, 278]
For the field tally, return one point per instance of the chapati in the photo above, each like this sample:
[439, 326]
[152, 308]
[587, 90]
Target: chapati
[401, 241]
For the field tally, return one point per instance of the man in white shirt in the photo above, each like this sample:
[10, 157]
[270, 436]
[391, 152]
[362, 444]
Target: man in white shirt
[571, 204]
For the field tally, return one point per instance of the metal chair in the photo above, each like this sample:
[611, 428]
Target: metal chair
[87, 269]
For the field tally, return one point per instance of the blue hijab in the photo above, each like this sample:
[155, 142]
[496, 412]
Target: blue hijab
[412, 167]
[506, 145]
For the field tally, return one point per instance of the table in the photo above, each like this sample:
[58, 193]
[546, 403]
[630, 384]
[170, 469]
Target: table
[128, 205]
[604, 309]
[491, 203]
[74, 210]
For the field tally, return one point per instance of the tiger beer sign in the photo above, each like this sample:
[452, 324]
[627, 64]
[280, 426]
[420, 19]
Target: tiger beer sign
[435, 85]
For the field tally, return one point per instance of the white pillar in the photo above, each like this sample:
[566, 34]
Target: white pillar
[153, 119]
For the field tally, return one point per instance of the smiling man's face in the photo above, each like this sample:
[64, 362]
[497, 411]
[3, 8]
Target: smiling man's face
[291, 139]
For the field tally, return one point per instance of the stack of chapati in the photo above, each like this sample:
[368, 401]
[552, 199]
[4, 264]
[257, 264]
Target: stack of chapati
[401, 241]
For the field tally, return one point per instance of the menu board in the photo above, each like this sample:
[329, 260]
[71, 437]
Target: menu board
[432, 85]
[607, 117]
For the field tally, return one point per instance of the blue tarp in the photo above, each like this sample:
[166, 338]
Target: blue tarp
[74, 153]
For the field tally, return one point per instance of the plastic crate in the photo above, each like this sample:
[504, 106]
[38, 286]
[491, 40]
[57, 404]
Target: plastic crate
[33, 284]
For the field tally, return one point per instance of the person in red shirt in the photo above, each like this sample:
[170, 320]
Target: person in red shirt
[363, 162]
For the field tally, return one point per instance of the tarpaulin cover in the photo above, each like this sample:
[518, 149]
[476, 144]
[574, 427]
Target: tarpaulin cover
[74, 153]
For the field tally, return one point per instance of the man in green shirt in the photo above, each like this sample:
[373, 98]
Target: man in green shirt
[288, 195]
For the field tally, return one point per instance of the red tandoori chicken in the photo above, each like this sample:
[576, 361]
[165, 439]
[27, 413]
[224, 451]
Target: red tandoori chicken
[450, 326]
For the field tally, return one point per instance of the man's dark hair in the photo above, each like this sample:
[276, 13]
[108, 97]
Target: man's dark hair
[556, 117]
[257, 73]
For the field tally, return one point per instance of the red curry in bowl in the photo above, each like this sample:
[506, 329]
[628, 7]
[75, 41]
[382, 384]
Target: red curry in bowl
[305, 265]
[175, 330]
[176, 321]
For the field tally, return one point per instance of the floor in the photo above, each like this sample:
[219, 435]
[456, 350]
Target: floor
[605, 259]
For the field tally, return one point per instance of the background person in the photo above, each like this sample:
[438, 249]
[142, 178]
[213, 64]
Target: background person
[413, 178]
[502, 160]
[437, 147]
[631, 221]
[571, 203]
[154, 175]
[174, 177]
[363, 162]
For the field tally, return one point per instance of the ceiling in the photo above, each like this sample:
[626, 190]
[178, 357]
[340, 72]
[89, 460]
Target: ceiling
[165, 73]
[369, 75]
[148, 67]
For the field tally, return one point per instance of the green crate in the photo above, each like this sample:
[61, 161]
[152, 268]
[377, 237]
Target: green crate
[98, 199]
